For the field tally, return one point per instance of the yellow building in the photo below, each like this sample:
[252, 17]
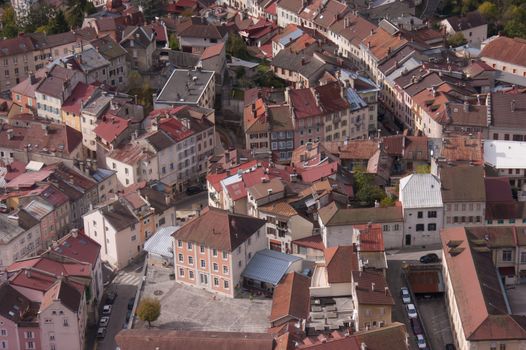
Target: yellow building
[73, 105]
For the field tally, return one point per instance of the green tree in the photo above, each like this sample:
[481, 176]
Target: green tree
[38, 16]
[236, 46]
[423, 169]
[367, 191]
[10, 28]
[149, 310]
[173, 42]
[76, 11]
[456, 40]
[387, 202]
[489, 10]
[58, 24]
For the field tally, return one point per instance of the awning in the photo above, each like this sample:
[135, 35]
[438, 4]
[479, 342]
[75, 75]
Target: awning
[507, 271]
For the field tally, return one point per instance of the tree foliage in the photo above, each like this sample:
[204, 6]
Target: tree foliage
[236, 46]
[10, 28]
[58, 24]
[149, 310]
[423, 169]
[367, 192]
[141, 87]
[456, 40]
[77, 10]
[173, 42]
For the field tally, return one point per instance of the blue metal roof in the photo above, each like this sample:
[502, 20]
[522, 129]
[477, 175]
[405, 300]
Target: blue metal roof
[269, 266]
[161, 242]
[102, 174]
[354, 99]
[285, 40]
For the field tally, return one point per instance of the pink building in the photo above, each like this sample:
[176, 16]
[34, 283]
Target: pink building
[19, 328]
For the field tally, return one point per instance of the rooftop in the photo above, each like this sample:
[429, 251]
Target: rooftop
[462, 184]
[185, 86]
[502, 154]
[331, 215]
[420, 191]
[269, 266]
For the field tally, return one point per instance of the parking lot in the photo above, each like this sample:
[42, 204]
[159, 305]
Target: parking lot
[188, 308]
[433, 314]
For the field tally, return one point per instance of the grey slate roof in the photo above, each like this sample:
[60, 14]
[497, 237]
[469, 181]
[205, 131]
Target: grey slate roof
[269, 266]
[182, 87]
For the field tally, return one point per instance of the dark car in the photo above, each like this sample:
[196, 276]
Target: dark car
[110, 298]
[416, 326]
[101, 332]
[191, 190]
[429, 258]
[450, 347]
[130, 303]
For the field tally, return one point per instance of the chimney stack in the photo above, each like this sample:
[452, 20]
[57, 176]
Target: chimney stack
[513, 105]
[372, 286]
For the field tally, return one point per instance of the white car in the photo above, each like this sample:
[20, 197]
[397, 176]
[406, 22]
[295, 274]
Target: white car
[106, 310]
[421, 341]
[406, 297]
[104, 320]
[411, 310]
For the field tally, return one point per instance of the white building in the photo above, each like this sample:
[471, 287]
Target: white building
[472, 26]
[422, 208]
[17, 242]
[508, 159]
[505, 54]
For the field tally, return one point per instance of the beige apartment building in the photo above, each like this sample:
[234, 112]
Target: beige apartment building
[212, 250]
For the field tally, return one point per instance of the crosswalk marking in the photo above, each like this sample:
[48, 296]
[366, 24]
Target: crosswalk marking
[125, 278]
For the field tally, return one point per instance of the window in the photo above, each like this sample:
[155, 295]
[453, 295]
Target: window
[226, 284]
[133, 238]
[202, 248]
[216, 281]
[181, 257]
[225, 270]
[214, 252]
[239, 263]
[51, 336]
[191, 274]
[431, 227]
[189, 245]
[396, 227]
[506, 255]
[30, 345]
[420, 214]
[386, 228]
[523, 257]
[179, 243]
[190, 260]
[3, 332]
[66, 323]
[502, 347]
[203, 263]
[181, 272]
[225, 255]
[215, 266]
[29, 335]
[4, 344]
[432, 214]
[420, 227]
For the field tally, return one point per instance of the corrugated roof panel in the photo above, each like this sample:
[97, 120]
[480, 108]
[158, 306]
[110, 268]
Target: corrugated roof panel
[285, 40]
[269, 266]
[420, 191]
[161, 242]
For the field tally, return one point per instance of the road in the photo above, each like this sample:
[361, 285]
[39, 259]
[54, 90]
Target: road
[125, 285]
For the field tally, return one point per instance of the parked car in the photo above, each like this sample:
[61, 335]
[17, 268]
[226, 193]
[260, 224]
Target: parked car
[4, 208]
[101, 332]
[411, 311]
[191, 190]
[130, 303]
[104, 320]
[110, 297]
[416, 326]
[429, 258]
[420, 340]
[450, 347]
[406, 297]
[106, 309]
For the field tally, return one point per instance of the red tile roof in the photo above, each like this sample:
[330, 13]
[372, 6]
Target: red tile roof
[371, 238]
[314, 242]
[219, 229]
[316, 173]
[110, 127]
[212, 51]
[291, 299]
[215, 179]
[236, 190]
[175, 128]
[371, 288]
[304, 103]
[81, 248]
[511, 50]
[81, 93]
[340, 261]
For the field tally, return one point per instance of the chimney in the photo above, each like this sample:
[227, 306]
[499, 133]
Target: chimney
[512, 105]
[167, 199]
[75, 233]
[466, 106]
[269, 191]
[372, 286]
[386, 290]
[28, 273]
[10, 134]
